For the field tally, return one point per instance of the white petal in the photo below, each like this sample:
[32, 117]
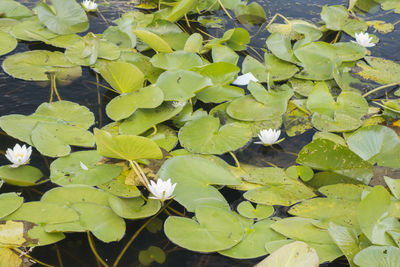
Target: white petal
[245, 79]
[83, 166]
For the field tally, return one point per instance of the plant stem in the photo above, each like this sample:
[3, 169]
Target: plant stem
[380, 88]
[94, 250]
[235, 159]
[137, 233]
[31, 258]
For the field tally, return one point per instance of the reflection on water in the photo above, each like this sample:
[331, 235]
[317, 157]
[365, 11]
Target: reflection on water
[23, 97]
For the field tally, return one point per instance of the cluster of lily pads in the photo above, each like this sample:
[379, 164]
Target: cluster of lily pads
[180, 103]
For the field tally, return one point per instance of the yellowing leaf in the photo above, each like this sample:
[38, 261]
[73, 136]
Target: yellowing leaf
[9, 259]
[381, 26]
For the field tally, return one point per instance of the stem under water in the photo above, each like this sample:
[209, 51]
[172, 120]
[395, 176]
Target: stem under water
[91, 244]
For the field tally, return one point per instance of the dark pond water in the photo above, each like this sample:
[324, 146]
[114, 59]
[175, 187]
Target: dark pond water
[23, 97]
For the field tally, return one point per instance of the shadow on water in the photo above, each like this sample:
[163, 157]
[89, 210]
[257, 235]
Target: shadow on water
[24, 97]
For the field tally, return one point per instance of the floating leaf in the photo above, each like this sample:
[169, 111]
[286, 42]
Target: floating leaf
[63, 17]
[7, 43]
[13, 234]
[195, 176]
[350, 51]
[377, 69]
[144, 119]
[153, 40]
[13, 9]
[247, 210]
[9, 202]
[69, 170]
[297, 254]
[43, 213]
[346, 239]
[22, 176]
[125, 105]
[386, 256]
[118, 187]
[101, 221]
[377, 144]
[36, 65]
[123, 77]
[253, 243]
[373, 216]
[8, 257]
[179, 60]
[337, 18]
[182, 84]
[70, 194]
[134, 208]
[127, 147]
[325, 155]
[252, 13]
[205, 135]
[214, 229]
[146, 257]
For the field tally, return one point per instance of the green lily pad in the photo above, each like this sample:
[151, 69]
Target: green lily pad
[43, 238]
[340, 211]
[325, 155]
[273, 68]
[387, 256]
[9, 202]
[296, 119]
[302, 229]
[22, 176]
[215, 229]
[296, 253]
[281, 47]
[101, 221]
[253, 243]
[377, 69]
[31, 29]
[247, 108]
[394, 186]
[144, 119]
[195, 176]
[134, 208]
[157, 43]
[376, 144]
[128, 147]
[373, 216]
[35, 65]
[63, 17]
[165, 137]
[252, 13]
[119, 188]
[179, 60]
[7, 43]
[125, 105]
[346, 239]
[15, 10]
[247, 210]
[182, 84]
[43, 213]
[319, 60]
[222, 53]
[206, 136]
[344, 191]
[146, 257]
[71, 194]
[181, 9]
[337, 18]
[123, 77]
[194, 43]
[350, 51]
[284, 195]
[68, 170]
[88, 49]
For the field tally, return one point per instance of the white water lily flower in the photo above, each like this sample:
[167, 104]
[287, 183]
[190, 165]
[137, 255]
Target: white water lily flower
[18, 155]
[83, 166]
[162, 190]
[269, 137]
[363, 39]
[89, 5]
[245, 79]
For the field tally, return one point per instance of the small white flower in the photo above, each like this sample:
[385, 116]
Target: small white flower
[162, 190]
[269, 137]
[177, 104]
[89, 5]
[363, 39]
[245, 79]
[83, 166]
[18, 155]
